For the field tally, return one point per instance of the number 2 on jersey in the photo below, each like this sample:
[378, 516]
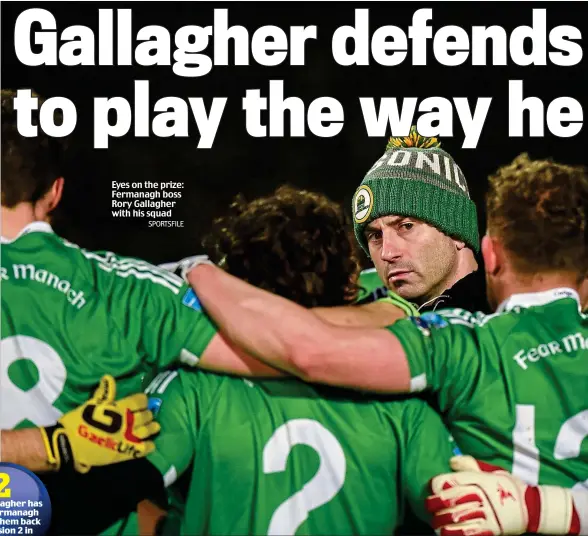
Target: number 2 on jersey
[321, 488]
[526, 454]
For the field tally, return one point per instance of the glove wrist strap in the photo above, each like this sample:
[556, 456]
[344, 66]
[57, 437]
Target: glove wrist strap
[47, 434]
[57, 447]
[556, 514]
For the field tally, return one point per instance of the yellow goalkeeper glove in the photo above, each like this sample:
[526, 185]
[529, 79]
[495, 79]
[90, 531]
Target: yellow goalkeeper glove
[102, 431]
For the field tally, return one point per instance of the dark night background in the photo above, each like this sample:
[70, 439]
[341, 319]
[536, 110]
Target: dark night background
[255, 166]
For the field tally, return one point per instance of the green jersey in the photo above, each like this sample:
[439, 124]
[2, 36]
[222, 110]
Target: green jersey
[512, 384]
[372, 289]
[69, 316]
[284, 457]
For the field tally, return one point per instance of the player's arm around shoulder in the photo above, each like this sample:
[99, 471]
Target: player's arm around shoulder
[366, 359]
[292, 338]
[377, 314]
[216, 354]
[376, 307]
[224, 357]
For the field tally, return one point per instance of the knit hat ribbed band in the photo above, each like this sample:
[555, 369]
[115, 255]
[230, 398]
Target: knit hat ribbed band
[421, 183]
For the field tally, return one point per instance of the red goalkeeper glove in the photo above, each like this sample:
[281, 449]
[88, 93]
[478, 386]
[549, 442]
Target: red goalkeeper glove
[480, 499]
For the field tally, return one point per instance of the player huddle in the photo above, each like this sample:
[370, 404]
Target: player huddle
[260, 396]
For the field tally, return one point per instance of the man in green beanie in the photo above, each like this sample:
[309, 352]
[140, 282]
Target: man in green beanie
[414, 217]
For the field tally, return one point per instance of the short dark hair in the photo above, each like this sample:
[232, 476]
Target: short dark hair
[294, 243]
[30, 166]
[539, 208]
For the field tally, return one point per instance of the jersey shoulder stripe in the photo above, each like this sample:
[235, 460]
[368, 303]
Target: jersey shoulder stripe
[462, 317]
[130, 267]
[160, 382]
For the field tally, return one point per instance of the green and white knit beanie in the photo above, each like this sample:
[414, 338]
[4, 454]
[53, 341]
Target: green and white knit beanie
[417, 178]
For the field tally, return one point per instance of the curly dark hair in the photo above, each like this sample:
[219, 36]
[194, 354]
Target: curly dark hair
[539, 209]
[30, 166]
[294, 243]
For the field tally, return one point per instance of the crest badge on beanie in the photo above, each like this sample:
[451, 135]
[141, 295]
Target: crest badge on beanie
[363, 202]
[416, 178]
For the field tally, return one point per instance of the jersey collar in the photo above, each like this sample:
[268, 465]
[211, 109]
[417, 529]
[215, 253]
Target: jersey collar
[34, 227]
[533, 299]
